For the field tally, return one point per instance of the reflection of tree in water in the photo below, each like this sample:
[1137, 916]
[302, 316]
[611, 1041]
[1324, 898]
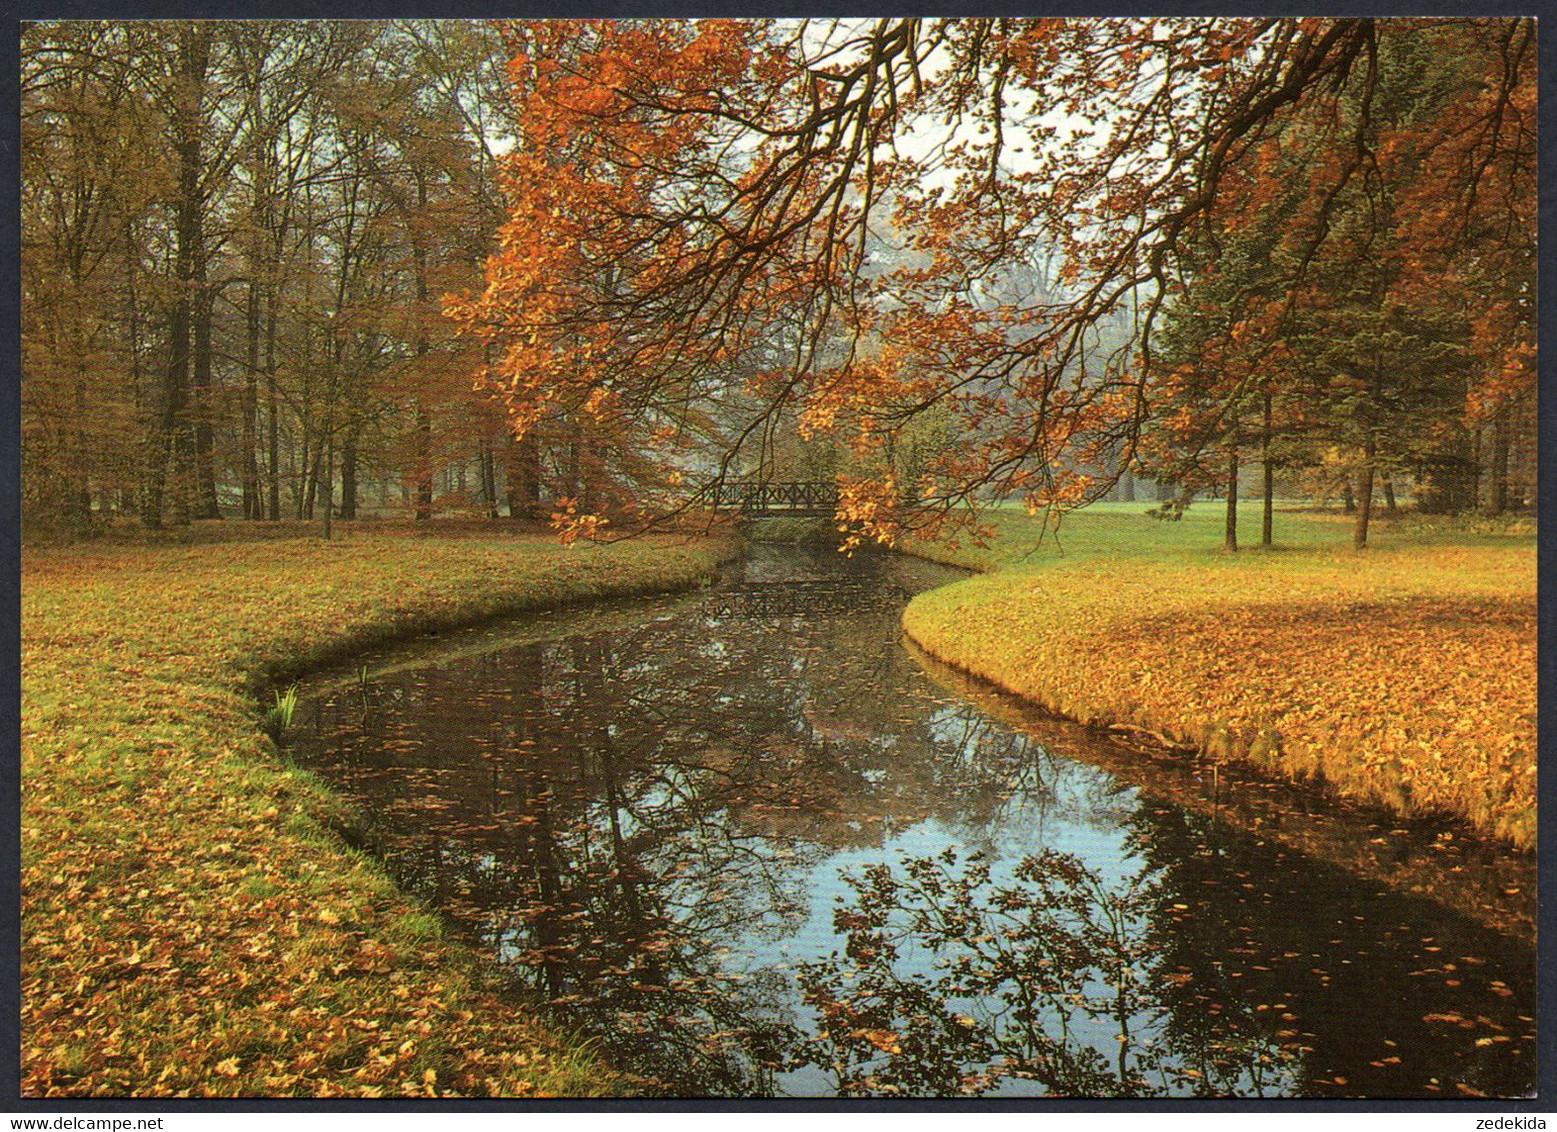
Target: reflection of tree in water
[955, 983]
[615, 815]
[611, 881]
[1209, 971]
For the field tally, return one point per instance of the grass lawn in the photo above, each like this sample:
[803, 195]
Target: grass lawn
[1403, 675]
[190, 925]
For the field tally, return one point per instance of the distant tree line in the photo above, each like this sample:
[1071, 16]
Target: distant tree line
[236, 240]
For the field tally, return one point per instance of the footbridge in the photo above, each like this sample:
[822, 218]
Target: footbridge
[789, 498]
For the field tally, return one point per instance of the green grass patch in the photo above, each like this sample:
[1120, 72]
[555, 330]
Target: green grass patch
[278, 717]
[417, 928]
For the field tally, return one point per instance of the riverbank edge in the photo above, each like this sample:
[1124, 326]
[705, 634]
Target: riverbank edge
[1047, 689]
[474, 611]
[324, 827]
[1469, 876]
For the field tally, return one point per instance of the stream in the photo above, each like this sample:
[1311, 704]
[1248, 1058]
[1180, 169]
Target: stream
[754, 845]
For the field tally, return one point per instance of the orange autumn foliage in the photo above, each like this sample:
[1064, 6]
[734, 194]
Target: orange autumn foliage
[720, 222]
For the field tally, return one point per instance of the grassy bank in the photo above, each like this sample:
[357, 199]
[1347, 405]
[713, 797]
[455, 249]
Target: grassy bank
[190, 924]
[1404, 675]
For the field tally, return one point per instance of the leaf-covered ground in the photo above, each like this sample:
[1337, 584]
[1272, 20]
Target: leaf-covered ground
[1404, 675]
[190, 924]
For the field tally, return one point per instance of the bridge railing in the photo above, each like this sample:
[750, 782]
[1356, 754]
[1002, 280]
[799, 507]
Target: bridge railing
[756, 497]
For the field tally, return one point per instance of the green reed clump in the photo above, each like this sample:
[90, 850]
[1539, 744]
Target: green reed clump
[278, 717]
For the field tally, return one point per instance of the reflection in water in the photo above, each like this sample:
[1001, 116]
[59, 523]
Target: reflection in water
[715, 835]
[1026, 977]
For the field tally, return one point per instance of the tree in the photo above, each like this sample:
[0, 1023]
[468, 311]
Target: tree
[1368, 340]
[95, 168]
[729, 174]
[949, 246]
[681, 187]
[1468, 214]
[236, 233]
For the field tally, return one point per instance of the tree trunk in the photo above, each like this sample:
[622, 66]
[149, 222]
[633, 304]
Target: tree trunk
[1127, 486]
[1364, 500]
[77, 510]
[163, 442]
[524, 477]
[349, 477]
[424, 484]
[1268, 469]
[1446, 484]
[327, 488]
[488, 478]
[302, 478]
[152, 443]
[1350, 503]
[251, 499]
[177, 453]
[310, 488]
[272, 414]
[253, 504]
[1477, 444]
[581, 468]
[156, 475]
[190, 325]
[1499, 469]
[273, 233]
[1230, 542]
[1389, 496]
[206, 506]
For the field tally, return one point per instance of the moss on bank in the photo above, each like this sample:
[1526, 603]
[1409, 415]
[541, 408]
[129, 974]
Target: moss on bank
[1403, 676]
[190, 924]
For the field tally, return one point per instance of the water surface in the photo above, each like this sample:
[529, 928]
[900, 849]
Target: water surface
[756, 846]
